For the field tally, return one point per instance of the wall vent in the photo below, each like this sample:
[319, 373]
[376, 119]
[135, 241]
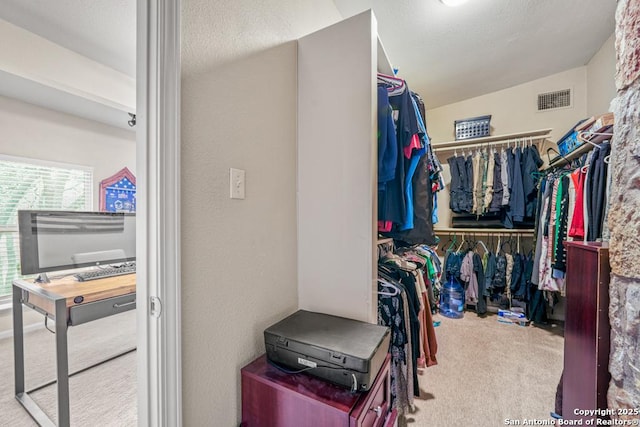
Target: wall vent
[553, 100]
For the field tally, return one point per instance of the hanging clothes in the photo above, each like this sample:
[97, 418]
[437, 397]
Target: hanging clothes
[406, 198]
[530, 164]
[596, 193]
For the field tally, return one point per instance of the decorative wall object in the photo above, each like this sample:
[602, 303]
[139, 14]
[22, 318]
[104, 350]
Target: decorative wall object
[118, 192]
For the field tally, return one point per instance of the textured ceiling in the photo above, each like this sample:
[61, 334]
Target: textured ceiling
[451, 54]
[446, 54]
[103, 30]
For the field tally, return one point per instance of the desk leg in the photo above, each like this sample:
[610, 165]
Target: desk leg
[18, 341]
[62, 363]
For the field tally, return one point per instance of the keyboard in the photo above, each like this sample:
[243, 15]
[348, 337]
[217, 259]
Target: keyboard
[104, 272]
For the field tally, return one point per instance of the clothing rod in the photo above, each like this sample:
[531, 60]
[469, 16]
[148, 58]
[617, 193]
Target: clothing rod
[489, 144]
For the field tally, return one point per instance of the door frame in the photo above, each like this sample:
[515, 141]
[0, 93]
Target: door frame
[159, 371]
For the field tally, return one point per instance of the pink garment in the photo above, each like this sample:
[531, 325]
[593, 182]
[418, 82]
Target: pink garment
[385, 226]
[577, 222]
[414, 144]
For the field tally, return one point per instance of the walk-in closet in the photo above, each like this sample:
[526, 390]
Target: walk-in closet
[452, 226]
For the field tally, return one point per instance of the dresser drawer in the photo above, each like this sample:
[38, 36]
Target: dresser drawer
[392, 419]
[375, 406]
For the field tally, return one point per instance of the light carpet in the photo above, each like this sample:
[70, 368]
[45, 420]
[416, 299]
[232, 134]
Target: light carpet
[104, 395]
[489, 372]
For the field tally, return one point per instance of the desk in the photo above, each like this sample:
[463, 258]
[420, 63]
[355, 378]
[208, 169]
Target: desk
[69, 303]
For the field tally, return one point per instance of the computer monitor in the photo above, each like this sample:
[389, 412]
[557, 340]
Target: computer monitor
[62, 240]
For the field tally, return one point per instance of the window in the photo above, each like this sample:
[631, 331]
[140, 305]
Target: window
[35, 184]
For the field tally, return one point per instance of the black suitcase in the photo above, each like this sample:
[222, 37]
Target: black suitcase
[342, 351]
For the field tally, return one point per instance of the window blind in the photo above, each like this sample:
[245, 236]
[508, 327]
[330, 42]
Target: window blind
[34, 184]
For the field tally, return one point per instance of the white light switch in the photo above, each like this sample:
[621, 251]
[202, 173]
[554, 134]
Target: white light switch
[236, 183]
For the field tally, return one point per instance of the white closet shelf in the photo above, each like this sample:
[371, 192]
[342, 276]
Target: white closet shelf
[563, 160]
[484, 231]
[541, 134]
[586, 146]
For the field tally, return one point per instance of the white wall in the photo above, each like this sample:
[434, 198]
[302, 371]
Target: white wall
[601, 86]
[37, 133]
[512, 110]
[238, 256]
[337, 192]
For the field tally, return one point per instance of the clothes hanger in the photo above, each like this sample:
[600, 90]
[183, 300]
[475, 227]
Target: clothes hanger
[461, 243]
[558, 153]
[386, 284]
[398, 85]
[583, 138]
[453, 242]
[486, 251]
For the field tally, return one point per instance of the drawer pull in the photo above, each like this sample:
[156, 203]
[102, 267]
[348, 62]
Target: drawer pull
[377, 410]
[116, 305]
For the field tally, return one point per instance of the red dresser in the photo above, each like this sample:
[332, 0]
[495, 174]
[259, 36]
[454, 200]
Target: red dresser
[586, 331]
[272, 398]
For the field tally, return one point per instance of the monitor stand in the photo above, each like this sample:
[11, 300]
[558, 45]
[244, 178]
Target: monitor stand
[42, 278]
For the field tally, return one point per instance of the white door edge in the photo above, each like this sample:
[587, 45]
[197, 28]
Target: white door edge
[158, 203]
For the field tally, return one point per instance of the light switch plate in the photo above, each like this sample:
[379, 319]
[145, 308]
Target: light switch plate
[236, 183]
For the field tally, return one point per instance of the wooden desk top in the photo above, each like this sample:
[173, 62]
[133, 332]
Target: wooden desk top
[90, 291]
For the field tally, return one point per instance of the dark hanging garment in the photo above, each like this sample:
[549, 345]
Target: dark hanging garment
[531, 164]
[516, 272]
[498, 283]
[598, 192]
[457, 193]
[506, 213]
[520, 291]
[422, 231]
[387, 142]
[468, 185]
[406, 126]
[481, 306]
[409, 283]
[496, 199]
[387, 155]
[537, 307]
[591, 173]
[452, 264]
[489, 272]
[560, 253]
[517, 201]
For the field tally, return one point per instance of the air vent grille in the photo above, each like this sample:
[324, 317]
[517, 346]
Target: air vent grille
[553, 100]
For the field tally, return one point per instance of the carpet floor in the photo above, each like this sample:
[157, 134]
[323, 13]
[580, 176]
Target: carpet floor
[104, 395]
[489, 372]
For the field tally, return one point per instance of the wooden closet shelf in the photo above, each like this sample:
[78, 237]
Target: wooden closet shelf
[484, 231]
[541, 134]
[385, 240]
